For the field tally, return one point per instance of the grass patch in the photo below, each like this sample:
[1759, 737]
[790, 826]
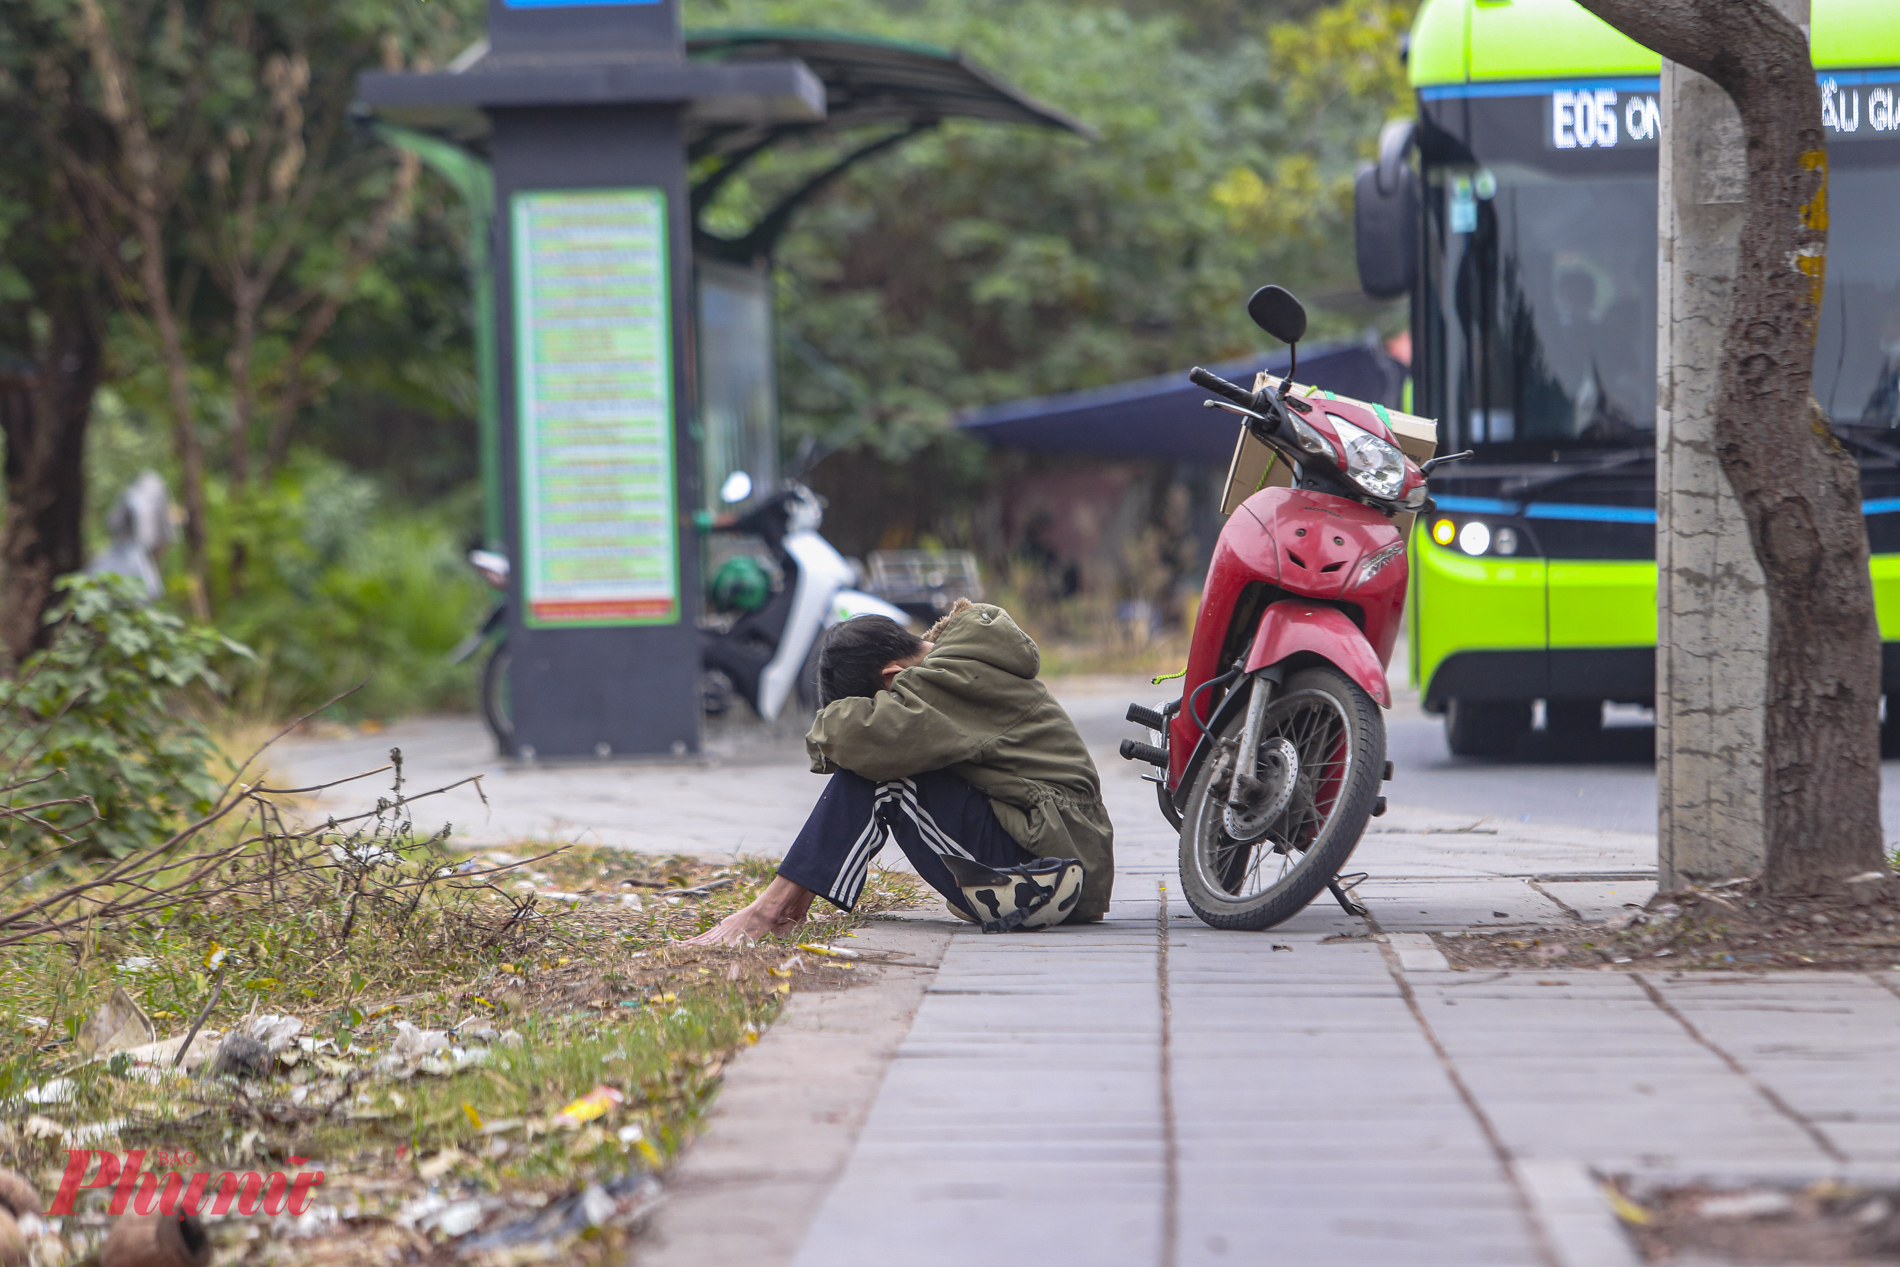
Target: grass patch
[534, 981]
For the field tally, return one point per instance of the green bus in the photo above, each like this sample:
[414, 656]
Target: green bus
[1526, 238]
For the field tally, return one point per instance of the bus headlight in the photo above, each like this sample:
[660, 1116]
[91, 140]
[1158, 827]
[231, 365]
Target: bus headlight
[1477, 537]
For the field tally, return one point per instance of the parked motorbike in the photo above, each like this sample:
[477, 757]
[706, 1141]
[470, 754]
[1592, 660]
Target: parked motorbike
[1270, 763]
[768, 654]
[764, 649]
[493, 569]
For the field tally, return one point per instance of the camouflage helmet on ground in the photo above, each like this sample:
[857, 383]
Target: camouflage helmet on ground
[1027, 896]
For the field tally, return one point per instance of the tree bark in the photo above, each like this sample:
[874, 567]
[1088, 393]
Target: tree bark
[44, 415]
[150, 194]
[1798, 488]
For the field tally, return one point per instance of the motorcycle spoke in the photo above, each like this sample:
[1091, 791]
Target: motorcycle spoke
[1318, 734]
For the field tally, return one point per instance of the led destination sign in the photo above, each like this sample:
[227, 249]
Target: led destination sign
[1842, 97]
[1602, 117]
[1855, 105]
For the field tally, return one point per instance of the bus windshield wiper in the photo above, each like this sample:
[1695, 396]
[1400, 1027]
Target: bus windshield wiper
[1855, 435]
[1523, 490]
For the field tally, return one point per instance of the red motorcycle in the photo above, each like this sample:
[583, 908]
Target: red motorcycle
[1270, 762]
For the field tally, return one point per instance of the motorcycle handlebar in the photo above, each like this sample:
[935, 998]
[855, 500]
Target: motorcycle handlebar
[1221, 387]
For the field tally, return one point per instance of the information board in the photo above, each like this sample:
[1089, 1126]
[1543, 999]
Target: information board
[594, 384]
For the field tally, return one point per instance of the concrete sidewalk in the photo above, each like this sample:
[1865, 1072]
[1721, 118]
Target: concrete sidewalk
[1150, 1091]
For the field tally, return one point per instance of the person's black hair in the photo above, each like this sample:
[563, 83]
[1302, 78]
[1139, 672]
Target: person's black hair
[852, 658]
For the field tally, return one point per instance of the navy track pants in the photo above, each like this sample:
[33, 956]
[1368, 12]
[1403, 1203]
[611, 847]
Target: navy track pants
[927, 814]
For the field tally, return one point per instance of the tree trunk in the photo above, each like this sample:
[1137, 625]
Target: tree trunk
[184, 424]
[1799, 489]
[44, 418]
[147, 194]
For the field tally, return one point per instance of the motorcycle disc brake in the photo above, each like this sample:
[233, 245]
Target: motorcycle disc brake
[1247, 818]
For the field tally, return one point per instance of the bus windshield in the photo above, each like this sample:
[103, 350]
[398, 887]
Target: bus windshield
[1547, 304]
[1857, 360]
[1539, 295]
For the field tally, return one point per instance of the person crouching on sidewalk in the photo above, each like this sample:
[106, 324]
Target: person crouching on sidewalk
[949, 745]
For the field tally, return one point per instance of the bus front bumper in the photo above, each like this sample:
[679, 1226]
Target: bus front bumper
[1626, 675]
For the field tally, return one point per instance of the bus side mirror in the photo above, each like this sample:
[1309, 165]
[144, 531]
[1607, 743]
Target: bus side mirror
[1386, 209]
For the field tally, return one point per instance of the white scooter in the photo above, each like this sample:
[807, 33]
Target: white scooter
[769, 655]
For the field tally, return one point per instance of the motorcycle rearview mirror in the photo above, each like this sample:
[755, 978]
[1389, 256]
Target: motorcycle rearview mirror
[1275, 310]
[737, 488]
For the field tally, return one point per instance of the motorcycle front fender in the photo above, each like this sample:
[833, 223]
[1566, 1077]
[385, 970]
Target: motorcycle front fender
[1294, 627]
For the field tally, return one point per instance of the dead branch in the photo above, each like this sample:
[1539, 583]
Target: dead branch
[334, 699]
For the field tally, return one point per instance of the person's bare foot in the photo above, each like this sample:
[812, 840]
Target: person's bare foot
[743, 927]
[774, 913]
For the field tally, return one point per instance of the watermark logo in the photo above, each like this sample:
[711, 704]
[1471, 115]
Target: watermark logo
[147, 1192]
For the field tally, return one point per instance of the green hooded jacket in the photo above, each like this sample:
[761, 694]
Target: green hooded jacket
[975, 708]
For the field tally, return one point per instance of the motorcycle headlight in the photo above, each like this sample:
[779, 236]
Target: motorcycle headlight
[1374, 465]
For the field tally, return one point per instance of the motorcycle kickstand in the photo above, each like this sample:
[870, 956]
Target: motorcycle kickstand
[1345, 900]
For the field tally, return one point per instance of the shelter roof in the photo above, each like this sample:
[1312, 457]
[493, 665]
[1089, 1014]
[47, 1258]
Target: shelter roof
[745, 90]
[870, 80]
[1162, 417]
[739, 85]
[890, 89]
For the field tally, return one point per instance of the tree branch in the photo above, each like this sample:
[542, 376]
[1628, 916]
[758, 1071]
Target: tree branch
[291, 389]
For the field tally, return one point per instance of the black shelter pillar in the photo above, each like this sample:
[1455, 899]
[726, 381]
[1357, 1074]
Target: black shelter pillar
[598, 460]
[582, 108]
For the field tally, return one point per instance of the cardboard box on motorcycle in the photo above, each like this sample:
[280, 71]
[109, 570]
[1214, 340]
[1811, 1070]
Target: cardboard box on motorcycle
[1256, 466]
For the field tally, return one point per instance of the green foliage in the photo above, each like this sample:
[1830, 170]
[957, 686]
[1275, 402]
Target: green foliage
[979, 263]
[346, 579]
[98, 719]
[342, 587]
[984, 263]
[401, 394]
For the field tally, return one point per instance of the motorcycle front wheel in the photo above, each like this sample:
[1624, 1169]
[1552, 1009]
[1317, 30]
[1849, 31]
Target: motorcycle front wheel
[808, 691]
[1321, 755]
[496, 708]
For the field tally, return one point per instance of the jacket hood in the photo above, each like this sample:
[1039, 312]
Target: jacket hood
[984, 632]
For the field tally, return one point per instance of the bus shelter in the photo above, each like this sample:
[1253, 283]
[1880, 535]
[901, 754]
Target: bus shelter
[625, 349]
